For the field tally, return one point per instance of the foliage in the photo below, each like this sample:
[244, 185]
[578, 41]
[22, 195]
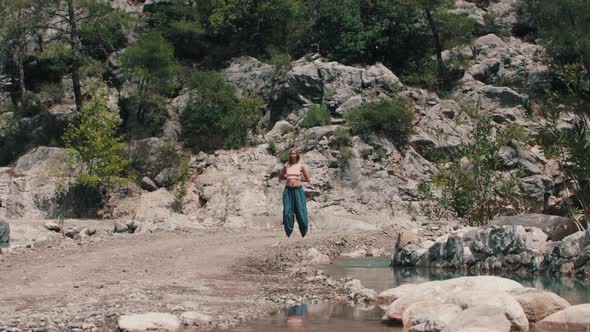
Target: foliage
[571, 146]
[214, 117]
[151, 67]
[511, 132]
[316, 116]
[178, 203]
[392, 119]
[254, 26]
[341, 138]
[284, 155]
[272, 147]
[551, 18]
[94, 144]
[345, 154]
[478, 192]
[492, 24]
[436, 76]
[104, 31]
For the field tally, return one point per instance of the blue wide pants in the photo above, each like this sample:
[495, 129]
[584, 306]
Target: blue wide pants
[294, 205]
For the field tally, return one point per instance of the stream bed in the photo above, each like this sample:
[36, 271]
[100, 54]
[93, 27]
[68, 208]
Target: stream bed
[375, 273]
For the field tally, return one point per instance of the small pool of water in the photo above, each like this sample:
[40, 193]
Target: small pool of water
[376, 274]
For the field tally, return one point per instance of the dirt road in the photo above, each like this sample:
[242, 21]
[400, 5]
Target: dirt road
[227, 275]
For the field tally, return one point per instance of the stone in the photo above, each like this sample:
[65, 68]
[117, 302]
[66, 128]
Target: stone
[555, 227]
[480, 318]
[148, 184]
[52, 226]
[167, 177]
[537, 303]
[195, 319]
[504, 95]
[574, 318]
[473, 297]
[148, 322]
[358, 293]
[72, 232]
[392, 294]
[314, 256]
[120, 227]
[432, 316]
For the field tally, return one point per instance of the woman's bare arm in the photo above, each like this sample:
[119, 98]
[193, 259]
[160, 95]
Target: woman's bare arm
[306, 177]
[282, 174]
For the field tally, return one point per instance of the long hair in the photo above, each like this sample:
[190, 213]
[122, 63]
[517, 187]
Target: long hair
[296, 150]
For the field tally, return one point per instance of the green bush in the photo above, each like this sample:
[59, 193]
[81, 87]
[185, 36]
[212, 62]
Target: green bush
[342, 138]
[284, 155]
[345, 155]
[511, 132]
[392, 119]
[316, 116]
[96, 151]
[478, 192]
[432, 77]
[272, 147]
[214, 118]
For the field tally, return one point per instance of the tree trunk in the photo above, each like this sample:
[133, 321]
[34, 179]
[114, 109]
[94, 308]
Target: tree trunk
[77, 57]
[21, 74]
[436, 38]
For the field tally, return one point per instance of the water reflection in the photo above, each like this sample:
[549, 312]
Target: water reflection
[329, 317]
[376, 274]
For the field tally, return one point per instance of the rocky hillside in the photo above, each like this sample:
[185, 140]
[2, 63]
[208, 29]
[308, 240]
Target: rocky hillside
[378, 183]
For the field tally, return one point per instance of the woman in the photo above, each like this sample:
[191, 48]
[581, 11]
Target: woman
[294, 174]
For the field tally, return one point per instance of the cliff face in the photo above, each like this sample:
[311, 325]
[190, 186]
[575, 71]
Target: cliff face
[376, 185]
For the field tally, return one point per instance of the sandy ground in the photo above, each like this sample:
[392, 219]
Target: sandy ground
[230, 275]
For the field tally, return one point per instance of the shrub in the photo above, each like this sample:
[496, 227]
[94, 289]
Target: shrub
[511, 132]
[345, 155]
[284, 155]
[272, 147]
[316, 116]
[392, 119]
[97, 153]
[341, 138]
[478, 192]
[214, 118]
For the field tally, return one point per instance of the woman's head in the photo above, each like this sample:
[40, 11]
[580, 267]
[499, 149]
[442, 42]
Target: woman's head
[294, 156]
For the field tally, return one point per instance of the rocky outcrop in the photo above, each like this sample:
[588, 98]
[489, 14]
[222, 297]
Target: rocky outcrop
[468, 304]
[28, 189]
[555, 227]
[511, 248]
[494, 248]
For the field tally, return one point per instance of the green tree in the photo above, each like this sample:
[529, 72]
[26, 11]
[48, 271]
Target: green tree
[253, 26]
[150, 65]
[66, 17]
[94, 143]
[431, 8]
[552, 18]
[214, 117]
[19, 20]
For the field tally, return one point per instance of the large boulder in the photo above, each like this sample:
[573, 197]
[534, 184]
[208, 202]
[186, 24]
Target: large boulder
[574, 318]
[537, 303]
[480, 318]
[469, 298]
[28, 190]
[555, 227]
[250, 75]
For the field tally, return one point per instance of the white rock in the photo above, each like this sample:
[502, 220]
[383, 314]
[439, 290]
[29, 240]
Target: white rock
[148, 322]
